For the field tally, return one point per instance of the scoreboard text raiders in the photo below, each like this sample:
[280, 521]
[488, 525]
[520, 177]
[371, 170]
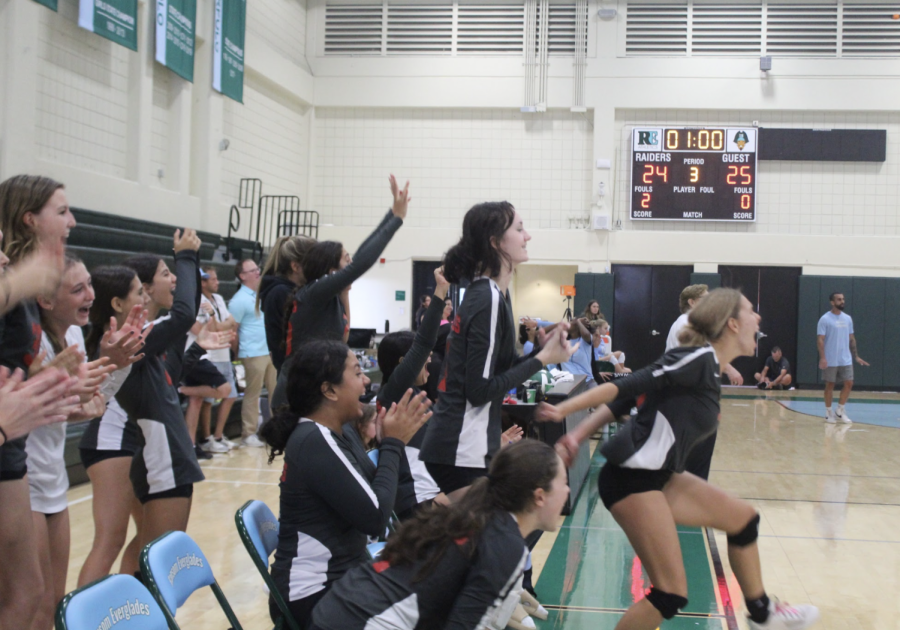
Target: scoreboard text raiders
[693, 174]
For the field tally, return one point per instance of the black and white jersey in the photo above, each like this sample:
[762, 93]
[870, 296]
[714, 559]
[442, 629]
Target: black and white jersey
[680, 410]
[416, 485]
[480, 367]
[470, 587]
[20, 343]
[329, 507]
[167, 459]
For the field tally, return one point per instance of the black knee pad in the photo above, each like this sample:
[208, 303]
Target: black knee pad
[748, 536]
[667, 604]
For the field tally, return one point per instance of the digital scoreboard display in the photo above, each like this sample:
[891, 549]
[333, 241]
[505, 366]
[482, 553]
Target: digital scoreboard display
[693, 174]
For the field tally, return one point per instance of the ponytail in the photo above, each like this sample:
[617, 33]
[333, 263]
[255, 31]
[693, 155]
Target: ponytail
[709, 317]
[477, 251]
[516, 472]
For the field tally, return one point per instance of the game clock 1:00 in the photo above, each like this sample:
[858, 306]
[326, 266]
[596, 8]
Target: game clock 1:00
[693, 174]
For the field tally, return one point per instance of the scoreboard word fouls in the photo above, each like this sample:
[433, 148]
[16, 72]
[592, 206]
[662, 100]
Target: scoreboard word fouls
[693, 174]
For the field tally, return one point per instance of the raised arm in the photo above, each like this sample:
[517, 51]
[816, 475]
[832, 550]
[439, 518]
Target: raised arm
[368, 252]
[405, 374]
[186, 300]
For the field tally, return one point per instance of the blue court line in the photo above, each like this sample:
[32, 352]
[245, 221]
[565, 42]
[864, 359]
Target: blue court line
[863, 412]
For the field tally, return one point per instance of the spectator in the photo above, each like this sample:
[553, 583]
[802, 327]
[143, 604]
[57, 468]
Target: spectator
[220, 320]
[424, 303]
[602, 344]
[777, 372]
[592, 312]
[580, 361]
[253, 351]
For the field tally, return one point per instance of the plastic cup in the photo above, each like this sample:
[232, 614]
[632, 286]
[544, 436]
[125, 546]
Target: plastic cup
[530, 395]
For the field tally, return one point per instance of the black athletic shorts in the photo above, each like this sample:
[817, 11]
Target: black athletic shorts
[186, 491]
[204, 373]
[450, 478]
[91, 456]
[13, 460]
[616, 483]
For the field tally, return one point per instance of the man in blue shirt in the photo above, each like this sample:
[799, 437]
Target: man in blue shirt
[253, 351]
[837, 351]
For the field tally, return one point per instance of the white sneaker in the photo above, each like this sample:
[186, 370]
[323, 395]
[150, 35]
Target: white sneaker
[252, 440]
[829, 416]
[842, 416]
[224, 440]
[212, 445]
[785, 617]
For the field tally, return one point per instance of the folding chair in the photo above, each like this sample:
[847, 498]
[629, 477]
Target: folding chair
[173, 568]
[258, 529]
[115, 600]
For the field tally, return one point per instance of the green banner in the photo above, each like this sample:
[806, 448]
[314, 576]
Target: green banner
[50, 4]
[228, 55]
[116, 20]
[175, 30]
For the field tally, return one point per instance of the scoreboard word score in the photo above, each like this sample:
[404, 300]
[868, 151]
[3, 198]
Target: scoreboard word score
[693, 174]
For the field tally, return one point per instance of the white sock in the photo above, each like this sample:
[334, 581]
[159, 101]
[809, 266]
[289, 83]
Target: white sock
[829, 411]
[841, 409]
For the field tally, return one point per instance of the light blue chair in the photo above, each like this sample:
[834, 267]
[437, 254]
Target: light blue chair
[173, 567]
[258, 529]
[118, 601]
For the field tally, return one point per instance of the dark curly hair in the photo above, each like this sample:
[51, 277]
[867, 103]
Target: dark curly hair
[515, 473]
[315, 363]
[476, 252]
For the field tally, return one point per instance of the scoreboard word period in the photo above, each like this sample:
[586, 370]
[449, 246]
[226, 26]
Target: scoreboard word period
[693, 174]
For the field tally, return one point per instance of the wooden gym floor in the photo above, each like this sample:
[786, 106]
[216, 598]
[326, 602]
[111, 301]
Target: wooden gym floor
[828, 496]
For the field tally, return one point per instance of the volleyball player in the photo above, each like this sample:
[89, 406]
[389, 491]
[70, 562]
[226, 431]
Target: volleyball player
[644, 483]
[481, 364]
[34, 215]
[63, 313]
[329, 501]
[456, 567]
[165, 468]
[280, 278]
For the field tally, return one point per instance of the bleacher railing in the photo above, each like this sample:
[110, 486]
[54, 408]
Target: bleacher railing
[274, 216]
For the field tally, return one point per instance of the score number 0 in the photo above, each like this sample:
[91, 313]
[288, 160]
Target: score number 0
[746, 178]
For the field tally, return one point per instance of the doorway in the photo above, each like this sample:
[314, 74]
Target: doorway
[423, 284]
[774, 293]
[645, 307]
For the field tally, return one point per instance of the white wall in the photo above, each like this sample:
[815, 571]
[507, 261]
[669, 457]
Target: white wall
[330, 129]
[535, 290]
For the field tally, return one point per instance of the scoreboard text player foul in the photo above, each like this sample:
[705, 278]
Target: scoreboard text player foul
[693, 174]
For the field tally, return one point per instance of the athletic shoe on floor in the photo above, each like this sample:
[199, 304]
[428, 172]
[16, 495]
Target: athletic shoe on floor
[252, 440]
[829, 416]
[212, 445]
[842, 417]
[226, 442]
[201, 454]
[785, 617]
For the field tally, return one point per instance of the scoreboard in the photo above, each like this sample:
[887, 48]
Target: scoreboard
[693, 174]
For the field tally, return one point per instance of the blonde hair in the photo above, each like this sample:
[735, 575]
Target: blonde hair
[709, 317]
[20, 195]
[286, 250]
[692, 292]
[597, 324]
